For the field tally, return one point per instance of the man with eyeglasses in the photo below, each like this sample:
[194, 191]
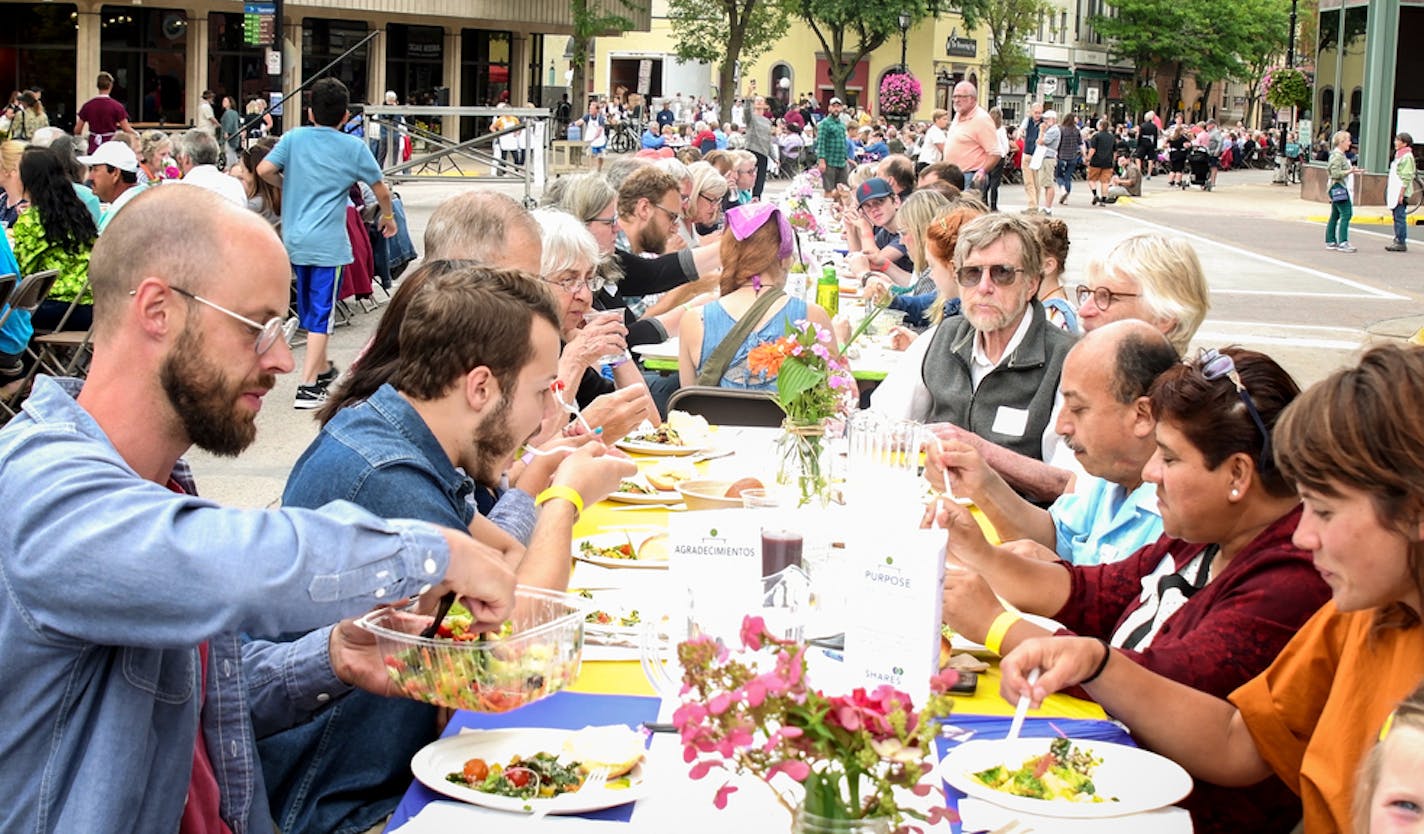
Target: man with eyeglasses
[1107, 422]
[991, 375]
[126, 593]
[972, 142]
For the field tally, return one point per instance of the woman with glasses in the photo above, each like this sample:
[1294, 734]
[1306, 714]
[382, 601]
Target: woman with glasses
[1212, 602]
[1151, 277]
[569, 268]
[704, 207]
[714, 341]
[1352, 449]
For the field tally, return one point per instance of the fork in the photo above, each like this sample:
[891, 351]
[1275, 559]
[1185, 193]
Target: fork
[596, 780]
[571, 407]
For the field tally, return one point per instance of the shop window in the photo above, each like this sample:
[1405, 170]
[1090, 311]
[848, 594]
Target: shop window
[37, 48]
[146, 50]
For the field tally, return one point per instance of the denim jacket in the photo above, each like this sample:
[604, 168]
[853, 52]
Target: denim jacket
[346, 770]
[111, 580]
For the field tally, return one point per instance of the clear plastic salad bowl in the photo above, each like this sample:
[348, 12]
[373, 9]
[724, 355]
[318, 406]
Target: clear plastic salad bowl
[536, 653]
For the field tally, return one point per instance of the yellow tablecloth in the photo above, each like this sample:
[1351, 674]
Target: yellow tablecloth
[626, 677]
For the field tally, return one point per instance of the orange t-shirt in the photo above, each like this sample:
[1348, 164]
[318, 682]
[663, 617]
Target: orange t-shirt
[1317, 710]
[972, 141]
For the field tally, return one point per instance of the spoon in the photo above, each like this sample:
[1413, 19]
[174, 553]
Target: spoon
[1021, 710]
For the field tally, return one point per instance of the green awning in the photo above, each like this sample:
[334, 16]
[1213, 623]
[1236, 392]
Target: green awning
[1092, 75]
[1061, 72]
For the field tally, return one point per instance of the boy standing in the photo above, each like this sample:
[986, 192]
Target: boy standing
[315, 167]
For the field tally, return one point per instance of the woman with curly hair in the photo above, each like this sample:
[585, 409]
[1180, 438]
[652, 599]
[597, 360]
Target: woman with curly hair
[55, 232]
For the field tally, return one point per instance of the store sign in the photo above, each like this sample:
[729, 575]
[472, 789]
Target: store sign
[1091, 94]
[258, 23]
[1049, 85]
[958, 47]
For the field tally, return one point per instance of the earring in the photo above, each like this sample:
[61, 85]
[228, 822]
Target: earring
[1235, 493]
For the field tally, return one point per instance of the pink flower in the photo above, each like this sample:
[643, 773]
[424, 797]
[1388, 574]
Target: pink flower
[720, 800]
[753, 629]
[795, 768]
[754, 693]
[821, 351]
[701, 769]
[823, 335]
[944, 680]
[720, 703]
[690, 713]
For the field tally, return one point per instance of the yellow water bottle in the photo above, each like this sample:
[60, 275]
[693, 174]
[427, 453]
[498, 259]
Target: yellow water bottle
[828, 291]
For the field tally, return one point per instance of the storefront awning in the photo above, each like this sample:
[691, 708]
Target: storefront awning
[1062, 72]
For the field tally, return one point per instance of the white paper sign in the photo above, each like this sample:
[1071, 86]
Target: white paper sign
[896, 586]
[715, 567]
[1010, 421]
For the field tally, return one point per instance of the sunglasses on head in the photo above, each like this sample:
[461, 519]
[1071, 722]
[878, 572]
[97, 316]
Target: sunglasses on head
[1215, 365]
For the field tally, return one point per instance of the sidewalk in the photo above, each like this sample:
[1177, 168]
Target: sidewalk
[1252, 192]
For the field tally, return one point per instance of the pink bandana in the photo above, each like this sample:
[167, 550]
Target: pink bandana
[744, 220]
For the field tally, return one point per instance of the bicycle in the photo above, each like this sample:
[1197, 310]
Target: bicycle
[623, 137]
[1417, 197]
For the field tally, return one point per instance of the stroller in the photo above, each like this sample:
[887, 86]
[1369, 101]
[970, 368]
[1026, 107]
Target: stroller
[1198, 162]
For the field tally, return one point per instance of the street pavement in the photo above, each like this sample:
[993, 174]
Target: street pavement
[1274, 288]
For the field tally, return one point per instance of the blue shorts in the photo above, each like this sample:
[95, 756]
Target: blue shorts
[596, 150]
[316, 295]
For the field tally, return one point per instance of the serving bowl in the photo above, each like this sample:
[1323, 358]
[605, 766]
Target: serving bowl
[536, 653]
[708, 494]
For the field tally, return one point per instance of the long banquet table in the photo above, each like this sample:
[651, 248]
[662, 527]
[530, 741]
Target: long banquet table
[615, 691]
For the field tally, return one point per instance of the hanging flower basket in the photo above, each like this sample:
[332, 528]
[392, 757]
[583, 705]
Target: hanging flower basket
[899, 95]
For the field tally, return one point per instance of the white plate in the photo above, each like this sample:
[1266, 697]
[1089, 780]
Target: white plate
[661, 350]
[617, 603]
[643, 447]
[438, 759]
[1141, 780]
[659, 497]
[613, 539]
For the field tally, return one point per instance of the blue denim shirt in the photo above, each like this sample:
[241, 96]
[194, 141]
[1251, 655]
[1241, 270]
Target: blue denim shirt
[1100, 522]
[111, 580]
[346, 770]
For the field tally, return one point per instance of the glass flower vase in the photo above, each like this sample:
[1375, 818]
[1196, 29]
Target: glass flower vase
[803, 462]
[806, 822]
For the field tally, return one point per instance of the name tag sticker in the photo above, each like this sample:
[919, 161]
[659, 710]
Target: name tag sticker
[1011, 422]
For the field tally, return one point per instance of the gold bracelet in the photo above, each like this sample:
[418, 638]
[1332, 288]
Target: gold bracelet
[994, 641]
[567, 493]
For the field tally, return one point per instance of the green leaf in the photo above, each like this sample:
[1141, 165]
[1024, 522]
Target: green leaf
[795, 379]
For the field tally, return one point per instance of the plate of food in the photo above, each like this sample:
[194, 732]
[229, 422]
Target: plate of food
[527, 769]
[680, 434]
[626, 548]
[639, 491]
[613, 618]
[1062, 777]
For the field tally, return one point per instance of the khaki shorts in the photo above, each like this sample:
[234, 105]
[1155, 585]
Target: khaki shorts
[1101, 175]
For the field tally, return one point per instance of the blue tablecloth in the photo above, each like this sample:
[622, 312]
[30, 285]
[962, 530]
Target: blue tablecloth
[997, 726]
[564, 711]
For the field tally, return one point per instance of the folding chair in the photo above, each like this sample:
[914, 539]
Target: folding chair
[728, 406]
[26, 298]
[7, 286]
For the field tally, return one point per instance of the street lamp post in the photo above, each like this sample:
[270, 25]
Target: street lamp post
[1290, 45]
[904, 32]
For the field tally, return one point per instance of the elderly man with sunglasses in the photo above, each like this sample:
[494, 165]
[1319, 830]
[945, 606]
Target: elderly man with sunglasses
[132, 706]
[990, 376]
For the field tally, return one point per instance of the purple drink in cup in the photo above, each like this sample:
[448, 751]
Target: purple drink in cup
[780, 549]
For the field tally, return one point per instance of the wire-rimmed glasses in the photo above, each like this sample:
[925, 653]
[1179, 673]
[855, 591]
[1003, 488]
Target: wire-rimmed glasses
[266, 333]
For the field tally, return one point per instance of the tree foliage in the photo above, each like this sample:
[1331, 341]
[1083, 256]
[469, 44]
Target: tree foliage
[723, 32]
[1008, 23]
[849, 30]
[1211, 41]
[590, 19]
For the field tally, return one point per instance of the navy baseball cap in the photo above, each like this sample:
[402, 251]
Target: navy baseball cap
[872, 189]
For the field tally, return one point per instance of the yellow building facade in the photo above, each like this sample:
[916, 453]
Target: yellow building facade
[938, 51]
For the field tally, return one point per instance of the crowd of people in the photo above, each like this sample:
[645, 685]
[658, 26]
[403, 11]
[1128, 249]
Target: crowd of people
[1235, 563]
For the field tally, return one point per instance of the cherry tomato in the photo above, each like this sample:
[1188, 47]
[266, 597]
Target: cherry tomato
[518, 776]
[476, 770]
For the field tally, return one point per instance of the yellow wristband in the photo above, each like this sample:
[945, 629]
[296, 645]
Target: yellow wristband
[1000, 627]
[567, 493]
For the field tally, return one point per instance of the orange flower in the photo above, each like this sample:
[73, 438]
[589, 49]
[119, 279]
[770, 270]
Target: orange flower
[766, 358]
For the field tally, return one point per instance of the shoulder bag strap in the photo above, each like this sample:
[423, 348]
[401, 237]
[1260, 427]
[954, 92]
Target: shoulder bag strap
[715, 367]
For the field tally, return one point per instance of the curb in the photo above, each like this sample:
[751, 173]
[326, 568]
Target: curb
[1368, 219]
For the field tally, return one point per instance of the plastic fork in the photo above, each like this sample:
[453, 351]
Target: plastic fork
[571, 407]
[596, 780]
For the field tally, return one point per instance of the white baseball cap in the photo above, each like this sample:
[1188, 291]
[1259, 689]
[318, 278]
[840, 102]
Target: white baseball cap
[115, 154]
[836, 101]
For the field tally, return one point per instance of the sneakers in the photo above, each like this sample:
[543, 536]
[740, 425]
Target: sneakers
[310, 396]
[328, 376]
[1345, 247]
[1396, 247]
[1095, 199]
[1063, 199]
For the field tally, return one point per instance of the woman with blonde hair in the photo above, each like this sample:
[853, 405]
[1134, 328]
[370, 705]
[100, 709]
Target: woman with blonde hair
[1341, 173]
[913, 218]
[1389, 798]
[1147, 276]
[155, 148]
[1352, 449]
[704, 206]
[717, 338]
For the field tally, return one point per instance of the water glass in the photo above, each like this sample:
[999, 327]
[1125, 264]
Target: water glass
[611, 359]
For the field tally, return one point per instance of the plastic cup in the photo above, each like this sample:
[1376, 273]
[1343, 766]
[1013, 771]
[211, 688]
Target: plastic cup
[610, 359]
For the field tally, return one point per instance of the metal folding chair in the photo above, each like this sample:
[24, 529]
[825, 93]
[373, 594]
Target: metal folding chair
[728, 406]
[26, 298]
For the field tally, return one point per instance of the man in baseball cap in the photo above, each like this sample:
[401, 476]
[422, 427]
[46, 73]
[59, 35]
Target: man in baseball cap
[873, 234]
[114, 169]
